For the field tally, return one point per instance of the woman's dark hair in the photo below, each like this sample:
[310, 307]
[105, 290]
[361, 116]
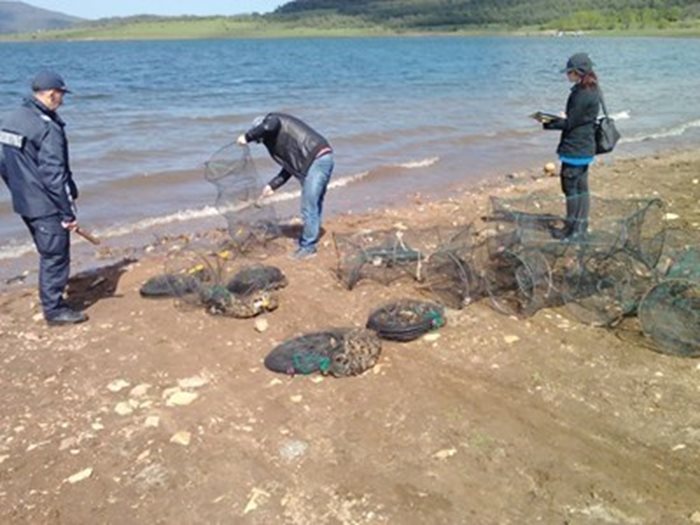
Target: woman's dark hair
[589, 80]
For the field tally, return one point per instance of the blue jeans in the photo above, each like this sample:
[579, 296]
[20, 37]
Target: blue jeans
[312, 194]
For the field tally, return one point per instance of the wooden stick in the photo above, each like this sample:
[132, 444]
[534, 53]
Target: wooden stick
[87, 236]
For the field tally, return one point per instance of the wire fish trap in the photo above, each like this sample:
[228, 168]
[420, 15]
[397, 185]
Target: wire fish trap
[451, 279]
[669, 315]
[449, 273]
[519, 282]
[250, 223]
[529, 221]
[644, 230]
[382, 257]
[686, 265]
[406, 320]
[340, 352]
[600, 289]
[631, 225]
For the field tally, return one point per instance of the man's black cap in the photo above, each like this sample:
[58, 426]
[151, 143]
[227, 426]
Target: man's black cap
[46, 80]
[580, 62]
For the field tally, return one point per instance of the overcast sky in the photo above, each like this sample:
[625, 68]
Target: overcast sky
[100, 9]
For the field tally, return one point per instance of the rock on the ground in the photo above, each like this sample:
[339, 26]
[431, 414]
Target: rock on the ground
[181, 399]
[80, 476]
[181, 438]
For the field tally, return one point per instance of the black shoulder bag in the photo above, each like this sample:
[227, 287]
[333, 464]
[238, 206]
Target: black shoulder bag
[606, 134]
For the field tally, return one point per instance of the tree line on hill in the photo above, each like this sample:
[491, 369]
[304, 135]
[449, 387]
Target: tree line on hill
[455, 14]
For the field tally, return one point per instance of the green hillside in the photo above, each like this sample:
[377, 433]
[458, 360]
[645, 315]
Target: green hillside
[302, 18]
[459, 14]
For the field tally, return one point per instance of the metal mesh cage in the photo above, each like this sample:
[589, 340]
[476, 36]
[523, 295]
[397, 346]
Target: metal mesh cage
[250, 222]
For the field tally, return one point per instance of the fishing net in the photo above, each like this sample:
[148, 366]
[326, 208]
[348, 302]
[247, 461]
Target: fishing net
[669, 315]
[635, 226]
[406, 320]
[600, 289]
[217, 300]
[340, 352]
[208, 275]
[170, 285]
[450, 273]
[380, 256]
[436, 257]
[251, 222]
[519, 281]
[600, 276]
[685, 264]
[187, 271]
[252, 279]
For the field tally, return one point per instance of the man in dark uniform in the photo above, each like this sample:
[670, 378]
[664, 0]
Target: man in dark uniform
[34, 164]
[303, 153]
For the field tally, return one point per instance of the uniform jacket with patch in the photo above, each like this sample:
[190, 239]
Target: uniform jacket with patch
[34, 162]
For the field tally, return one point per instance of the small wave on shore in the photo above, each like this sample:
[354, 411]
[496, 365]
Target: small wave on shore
[424, 163]
[620, 115]
[14, 249]
[670, 132]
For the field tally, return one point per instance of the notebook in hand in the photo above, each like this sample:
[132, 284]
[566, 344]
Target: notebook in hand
[544, 117]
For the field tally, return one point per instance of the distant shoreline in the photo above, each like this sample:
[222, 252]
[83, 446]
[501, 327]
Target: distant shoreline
[222, 28]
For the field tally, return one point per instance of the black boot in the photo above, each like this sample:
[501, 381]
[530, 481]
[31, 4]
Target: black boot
[66, 316]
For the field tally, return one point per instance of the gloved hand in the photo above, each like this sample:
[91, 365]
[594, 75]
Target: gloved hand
[266, 192]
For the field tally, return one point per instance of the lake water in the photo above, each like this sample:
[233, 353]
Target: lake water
[404, 114]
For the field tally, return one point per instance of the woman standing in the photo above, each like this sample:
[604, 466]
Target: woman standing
[577, 144]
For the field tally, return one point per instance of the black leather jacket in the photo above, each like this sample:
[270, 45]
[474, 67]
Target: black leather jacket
[577, 129]
[292, 143]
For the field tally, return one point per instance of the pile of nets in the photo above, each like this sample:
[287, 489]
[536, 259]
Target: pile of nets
[345, 352]
[251, 223]
[340, 352]
[521, 264]
[406, 319]
[600, 277]
[612, 273]
[202, 279]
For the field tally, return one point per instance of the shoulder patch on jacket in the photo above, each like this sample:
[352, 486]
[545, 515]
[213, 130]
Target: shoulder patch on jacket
[12, 139]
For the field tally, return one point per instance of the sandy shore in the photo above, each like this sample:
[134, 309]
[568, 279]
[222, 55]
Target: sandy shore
[499, 420]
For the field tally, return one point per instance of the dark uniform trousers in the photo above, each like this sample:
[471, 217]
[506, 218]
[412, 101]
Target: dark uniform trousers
[574, 184]
[52, 242]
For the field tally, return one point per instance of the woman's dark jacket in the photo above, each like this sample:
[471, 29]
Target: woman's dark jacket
[578, 128]
[292, 143]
